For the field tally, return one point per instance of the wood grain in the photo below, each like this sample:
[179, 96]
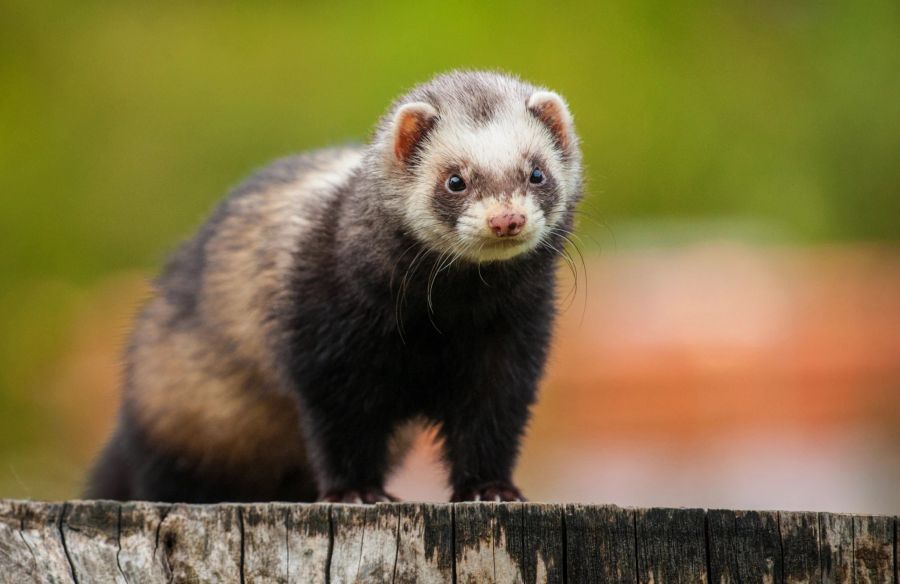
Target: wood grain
[600, 544]
[144, 543]
[31, 547]
[140, 557]
[671, 546]
[744, 547]
[425, 543]
[836, 548]
[873, 550]
[489, 540]
[265, 544]
[365, 543]
[91, 535]
[201, 543]
[308, 543]
[543, 547]
[800, 546]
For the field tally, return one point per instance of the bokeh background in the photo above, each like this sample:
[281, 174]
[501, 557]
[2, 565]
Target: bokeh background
[734, 339]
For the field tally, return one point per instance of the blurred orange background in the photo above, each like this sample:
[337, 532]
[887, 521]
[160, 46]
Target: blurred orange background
[722, 375]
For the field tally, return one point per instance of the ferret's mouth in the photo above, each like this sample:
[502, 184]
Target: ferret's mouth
[509, 242]
[482, 247]
[499, 248]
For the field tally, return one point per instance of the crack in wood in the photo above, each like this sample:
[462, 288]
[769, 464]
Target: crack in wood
[453, 544]
[164, 558]
[781, 545]
[565, 546]
[30, 550]
[493, 549]
[896, 546]
[362, 541]
[287, 544]
[706, 546]
[240, 515]
[396, 552]
[119, 545]
[330, 544]
[62, 539]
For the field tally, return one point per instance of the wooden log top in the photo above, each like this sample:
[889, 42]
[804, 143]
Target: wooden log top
[101, 541]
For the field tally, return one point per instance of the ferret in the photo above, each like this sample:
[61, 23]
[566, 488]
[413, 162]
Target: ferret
[337, 295]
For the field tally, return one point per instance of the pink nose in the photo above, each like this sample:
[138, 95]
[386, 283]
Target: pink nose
[507, 224]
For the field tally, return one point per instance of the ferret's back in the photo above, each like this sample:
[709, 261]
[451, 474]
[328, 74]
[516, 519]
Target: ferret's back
[201, 378]
[235, 269]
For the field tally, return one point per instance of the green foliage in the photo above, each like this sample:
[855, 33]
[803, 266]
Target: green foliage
[124, 122]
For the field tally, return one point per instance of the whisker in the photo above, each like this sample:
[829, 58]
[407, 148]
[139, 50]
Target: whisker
[404, 286]
[566, 235]
[574, 290]
[480, 277]
[429, 286]
[599, 223]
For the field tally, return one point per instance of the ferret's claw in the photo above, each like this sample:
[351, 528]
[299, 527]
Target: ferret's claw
[357, 496]
[494, 492]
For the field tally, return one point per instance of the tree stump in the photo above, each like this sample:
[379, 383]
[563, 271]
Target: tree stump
[102, 541]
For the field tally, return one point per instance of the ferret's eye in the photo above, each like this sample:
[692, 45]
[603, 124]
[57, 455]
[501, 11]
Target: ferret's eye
[456, 184]
[537, 176]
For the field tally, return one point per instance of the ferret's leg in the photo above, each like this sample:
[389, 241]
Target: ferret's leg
[348, 446]
[482, 436]
[111, 475]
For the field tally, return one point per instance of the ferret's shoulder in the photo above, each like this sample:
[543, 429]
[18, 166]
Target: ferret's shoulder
[276, 205]
[301, 175]
[248, 243]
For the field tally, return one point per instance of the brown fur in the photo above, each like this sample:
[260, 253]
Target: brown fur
[412, 127]
[211, 412]
[550, 114]
[213, 393]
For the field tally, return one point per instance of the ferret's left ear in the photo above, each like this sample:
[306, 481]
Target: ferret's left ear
[551, 110]
[412, 122]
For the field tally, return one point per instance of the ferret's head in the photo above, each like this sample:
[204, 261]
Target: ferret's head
[479, 165]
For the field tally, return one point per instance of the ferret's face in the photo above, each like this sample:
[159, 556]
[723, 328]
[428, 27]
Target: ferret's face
[491, 189]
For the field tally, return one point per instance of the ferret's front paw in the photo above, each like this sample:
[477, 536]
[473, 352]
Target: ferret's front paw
[358, 496]
[490, 492]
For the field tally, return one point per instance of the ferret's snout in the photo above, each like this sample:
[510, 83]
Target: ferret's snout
[506, 223]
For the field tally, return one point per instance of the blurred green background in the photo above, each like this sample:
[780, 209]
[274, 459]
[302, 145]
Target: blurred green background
[121, 124]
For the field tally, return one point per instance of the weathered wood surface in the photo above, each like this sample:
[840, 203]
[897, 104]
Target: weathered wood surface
[100, 541]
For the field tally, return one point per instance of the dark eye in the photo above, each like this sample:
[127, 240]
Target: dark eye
[537, 176]
[456, 184]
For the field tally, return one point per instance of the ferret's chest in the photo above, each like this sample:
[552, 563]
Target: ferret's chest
[403, 337]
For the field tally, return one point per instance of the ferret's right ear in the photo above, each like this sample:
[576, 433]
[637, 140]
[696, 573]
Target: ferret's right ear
[412, 122]
[551, 110]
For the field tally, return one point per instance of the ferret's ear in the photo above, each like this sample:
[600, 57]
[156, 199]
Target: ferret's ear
[551, 110]
[412, 122]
